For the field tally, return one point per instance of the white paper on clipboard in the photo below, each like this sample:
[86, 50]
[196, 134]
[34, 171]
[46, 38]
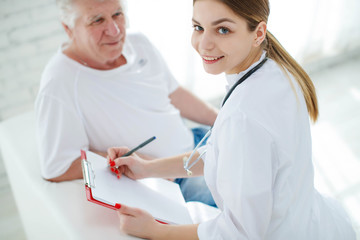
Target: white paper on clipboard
[161, 198]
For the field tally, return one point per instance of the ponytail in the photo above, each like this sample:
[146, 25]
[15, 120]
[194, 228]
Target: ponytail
[276, 52]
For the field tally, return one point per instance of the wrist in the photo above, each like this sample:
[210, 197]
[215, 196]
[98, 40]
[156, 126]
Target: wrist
[160, 231]
[149, 169]
[166, 231]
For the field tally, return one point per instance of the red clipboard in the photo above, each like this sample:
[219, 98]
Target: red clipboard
[88, 185]
[87, 181]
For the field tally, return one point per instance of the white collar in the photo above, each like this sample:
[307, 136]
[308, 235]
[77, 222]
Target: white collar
[128, 52]
[233, 78]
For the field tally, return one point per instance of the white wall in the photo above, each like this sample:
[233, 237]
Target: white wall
[314, 29]
[30, 33]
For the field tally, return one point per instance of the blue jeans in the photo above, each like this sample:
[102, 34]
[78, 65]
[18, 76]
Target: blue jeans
[195, 188]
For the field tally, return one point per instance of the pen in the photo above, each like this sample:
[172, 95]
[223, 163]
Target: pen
[140, 146]
[112, 163]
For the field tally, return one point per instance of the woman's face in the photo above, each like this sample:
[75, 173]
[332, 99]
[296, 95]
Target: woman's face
[99, 31]
[221, 38]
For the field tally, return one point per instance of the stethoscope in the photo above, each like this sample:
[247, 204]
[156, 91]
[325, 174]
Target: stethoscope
[186, 160]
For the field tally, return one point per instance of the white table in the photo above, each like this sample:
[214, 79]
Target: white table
[57, 210]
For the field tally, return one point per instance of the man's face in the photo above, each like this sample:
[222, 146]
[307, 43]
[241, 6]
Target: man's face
[99, 31]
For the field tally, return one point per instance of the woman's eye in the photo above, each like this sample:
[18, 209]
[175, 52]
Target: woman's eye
[197, 28]
[223, 30]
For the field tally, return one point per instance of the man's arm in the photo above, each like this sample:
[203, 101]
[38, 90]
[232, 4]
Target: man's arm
[192, 108]
[74, 172]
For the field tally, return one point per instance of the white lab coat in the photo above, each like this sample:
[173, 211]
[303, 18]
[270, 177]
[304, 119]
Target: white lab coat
[259, 169]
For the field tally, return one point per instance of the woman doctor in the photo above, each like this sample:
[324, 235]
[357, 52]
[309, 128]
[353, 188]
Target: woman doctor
[258, 162]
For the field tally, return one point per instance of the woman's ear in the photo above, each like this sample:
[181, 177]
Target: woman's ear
[260, 34]
[68, 30]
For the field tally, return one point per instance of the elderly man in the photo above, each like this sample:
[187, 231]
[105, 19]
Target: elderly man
[105, 88]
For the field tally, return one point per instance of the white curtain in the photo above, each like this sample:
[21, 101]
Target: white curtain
[310, 30]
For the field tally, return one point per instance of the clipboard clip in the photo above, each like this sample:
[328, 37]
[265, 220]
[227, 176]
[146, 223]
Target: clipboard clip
[88, 173]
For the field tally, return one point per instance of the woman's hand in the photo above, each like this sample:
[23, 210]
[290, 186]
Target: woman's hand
[137, 222]
[132, 166]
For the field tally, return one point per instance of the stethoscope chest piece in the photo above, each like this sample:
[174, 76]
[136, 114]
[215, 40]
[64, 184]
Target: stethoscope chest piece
[185, 161]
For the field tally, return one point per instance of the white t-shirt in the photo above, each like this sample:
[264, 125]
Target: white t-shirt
[80, 108]
[258, 166]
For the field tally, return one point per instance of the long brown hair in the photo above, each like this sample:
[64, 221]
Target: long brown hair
[256, 11]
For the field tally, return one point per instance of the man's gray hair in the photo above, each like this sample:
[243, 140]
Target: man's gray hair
[68, 13]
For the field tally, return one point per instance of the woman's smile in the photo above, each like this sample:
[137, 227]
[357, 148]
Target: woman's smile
[211, 60]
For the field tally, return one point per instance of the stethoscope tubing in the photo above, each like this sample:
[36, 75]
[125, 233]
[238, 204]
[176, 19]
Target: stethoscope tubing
[242, 79]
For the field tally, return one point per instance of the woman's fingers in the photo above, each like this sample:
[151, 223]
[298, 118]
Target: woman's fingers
[136, 222]
[126, 210]
[116, 152]
[118, 165]
[123, 161]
